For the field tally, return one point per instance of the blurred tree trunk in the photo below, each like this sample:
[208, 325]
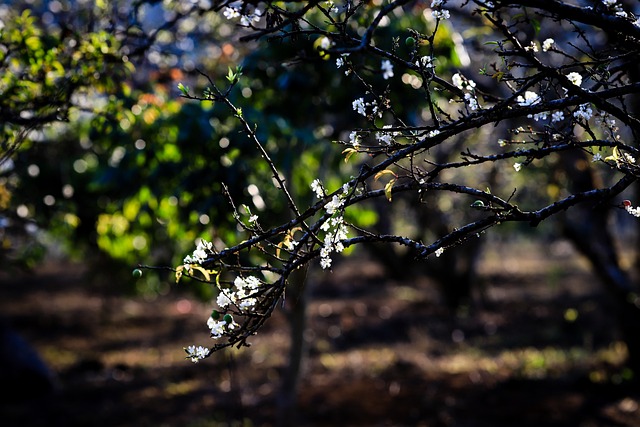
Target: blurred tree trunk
[586, 225]
[296, 300]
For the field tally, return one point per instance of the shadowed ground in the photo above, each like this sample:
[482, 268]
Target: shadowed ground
[537, 348]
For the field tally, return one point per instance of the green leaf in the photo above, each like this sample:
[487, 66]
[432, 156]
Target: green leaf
[184, 89]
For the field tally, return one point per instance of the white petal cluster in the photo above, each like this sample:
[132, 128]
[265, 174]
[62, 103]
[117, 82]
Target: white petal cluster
[196, 353]
[575, 78]
[425, 62]
[530, 98]
[336, 231]
[354, 139]
[200, 254]
[547, 44]
[219, 327]
[251, 15]
[584, 112]
[633, 211]
[359, 106]
[242, 294]
[469, 86]
[316, 186]
[387, 69]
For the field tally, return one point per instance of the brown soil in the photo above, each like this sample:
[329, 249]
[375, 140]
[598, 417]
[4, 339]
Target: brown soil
[381, 353]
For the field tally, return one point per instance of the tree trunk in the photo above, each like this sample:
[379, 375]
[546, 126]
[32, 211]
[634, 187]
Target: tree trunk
[296, 300]
[586, 225]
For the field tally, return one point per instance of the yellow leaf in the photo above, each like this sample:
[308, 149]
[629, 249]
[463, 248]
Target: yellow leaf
[388, 188]
[179, 272]
[383, 173]
[349, 152]
[615, 157]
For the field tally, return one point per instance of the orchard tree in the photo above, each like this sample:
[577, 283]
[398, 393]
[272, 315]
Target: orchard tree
[534, 119]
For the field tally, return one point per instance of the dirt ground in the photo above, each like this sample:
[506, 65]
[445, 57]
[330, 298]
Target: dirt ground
[537, 347]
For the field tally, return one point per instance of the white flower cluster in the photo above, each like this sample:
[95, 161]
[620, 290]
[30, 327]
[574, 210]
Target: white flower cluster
[584, 112]
[425, 62]
[316, 186]
[615, 8]
[331, 7]
[630, 209]
[340, 62]
[218, 327]
[334, 227]
[196, 353]
[440, 13]
[469, 86]
[607, 123]
[575, 78]
[336, 231]
[517, 166]
[439, 252]
[547, 44]
[234, 10]
[354, 140]
[361, 107]
[386, 138]
[244, 294]
[530, 98]
[387, 69]
[200, 254]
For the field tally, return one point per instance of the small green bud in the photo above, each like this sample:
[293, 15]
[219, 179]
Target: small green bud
[215, 314]
[477, 204]
[228, 318]
[137, 273]
[410, 41]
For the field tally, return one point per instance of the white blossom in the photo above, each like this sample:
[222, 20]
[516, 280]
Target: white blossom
[339, 62]
[457, 81]
[436, 3]
[196, 353]
[384, 137]
[557, 116]
[517, 166]
[583, 111]
[547, 44]
[254, 17]
[439, 252]
[325, 263]
[224, 299]
[359, 106]
[575, 78]
[217, 327]
[387, 69]
[231, 12]
[530, 98]
[441, 14]
[426, 62]
[354, 139]
[596, 157]
[333, 205]
[317, 188]
[200, 254]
